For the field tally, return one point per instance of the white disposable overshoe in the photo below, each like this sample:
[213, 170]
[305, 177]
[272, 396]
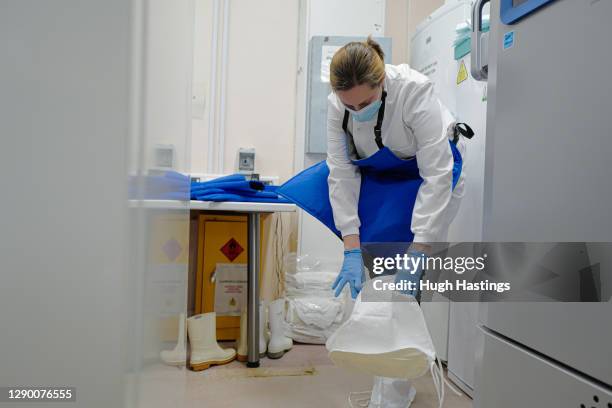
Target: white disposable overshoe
[178, 355]
[262, 329]
[391, 393]
[242, 349]
[386, 393]
[279, 343]
[205, 350]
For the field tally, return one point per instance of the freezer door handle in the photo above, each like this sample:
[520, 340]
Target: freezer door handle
[479, 40]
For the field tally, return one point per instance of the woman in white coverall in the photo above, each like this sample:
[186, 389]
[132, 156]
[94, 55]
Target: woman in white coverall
[413, 124]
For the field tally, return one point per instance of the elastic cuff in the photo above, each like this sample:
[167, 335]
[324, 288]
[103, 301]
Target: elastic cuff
[423, 238]
[349, 231]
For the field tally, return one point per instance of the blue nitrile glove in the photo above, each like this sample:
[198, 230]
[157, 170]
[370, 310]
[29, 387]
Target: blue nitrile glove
[412, 274]
[352, 272]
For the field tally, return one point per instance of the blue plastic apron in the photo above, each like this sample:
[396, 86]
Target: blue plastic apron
[389, 187]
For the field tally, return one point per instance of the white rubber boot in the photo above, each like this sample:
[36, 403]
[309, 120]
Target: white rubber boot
[242, 353]
[262, 329]
[241, 348]
[178, 355]
[205, 350]
[279, 343]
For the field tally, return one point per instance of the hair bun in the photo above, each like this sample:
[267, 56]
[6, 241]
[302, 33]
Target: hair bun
[376, 47]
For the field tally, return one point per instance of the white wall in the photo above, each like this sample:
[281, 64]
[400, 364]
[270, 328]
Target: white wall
[396, 27]
[168, 77]
[259, 89]
[202, 67]
[261, 78]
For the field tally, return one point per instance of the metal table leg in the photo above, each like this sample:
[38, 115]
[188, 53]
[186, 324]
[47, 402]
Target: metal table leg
[253, 291]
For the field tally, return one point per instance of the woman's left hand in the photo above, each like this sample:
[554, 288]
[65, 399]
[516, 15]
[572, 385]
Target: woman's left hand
[420, 247]
[414, 273]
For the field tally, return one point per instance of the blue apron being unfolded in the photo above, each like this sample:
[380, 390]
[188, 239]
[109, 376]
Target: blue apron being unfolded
[389, 187]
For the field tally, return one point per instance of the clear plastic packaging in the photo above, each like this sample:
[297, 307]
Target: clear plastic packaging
[313, 312]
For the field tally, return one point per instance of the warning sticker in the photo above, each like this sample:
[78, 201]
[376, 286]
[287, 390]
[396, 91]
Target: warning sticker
[230, 289]
[462, 75]
[172, 249]
[231, 249]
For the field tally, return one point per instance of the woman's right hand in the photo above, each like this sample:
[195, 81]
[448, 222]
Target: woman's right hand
[352, 272]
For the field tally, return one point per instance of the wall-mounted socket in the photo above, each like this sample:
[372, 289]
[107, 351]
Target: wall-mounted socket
[246, 160]
[164, 156]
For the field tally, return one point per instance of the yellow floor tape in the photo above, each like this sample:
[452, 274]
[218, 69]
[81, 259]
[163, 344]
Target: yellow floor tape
[261, 372]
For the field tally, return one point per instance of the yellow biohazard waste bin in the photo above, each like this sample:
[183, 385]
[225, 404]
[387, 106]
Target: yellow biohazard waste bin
[222, 239]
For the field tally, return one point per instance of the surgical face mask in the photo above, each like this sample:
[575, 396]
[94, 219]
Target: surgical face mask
[367, 113]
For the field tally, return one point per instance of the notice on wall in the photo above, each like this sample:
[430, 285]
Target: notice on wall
[429, 69]
[327, 53]
[230, 289]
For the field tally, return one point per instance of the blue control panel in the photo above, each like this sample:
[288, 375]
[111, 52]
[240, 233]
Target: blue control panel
[514, 10]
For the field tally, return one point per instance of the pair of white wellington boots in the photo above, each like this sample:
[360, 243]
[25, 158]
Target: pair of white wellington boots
[275, 343]
[205, 351]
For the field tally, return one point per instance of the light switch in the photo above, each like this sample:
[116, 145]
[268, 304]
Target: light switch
[198, 102]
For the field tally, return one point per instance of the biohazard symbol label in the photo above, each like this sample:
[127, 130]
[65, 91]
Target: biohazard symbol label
[231, 249]
[462, 75]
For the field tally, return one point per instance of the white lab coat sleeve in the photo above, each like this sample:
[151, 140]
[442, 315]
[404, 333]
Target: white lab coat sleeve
[423, 115]
[344, 178]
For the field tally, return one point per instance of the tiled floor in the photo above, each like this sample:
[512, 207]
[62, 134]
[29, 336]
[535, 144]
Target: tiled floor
[304, 377]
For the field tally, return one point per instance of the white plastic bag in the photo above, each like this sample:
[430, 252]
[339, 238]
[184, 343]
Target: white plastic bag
[314, 313]
[314, 319]
[310, 283]
[386, 337]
